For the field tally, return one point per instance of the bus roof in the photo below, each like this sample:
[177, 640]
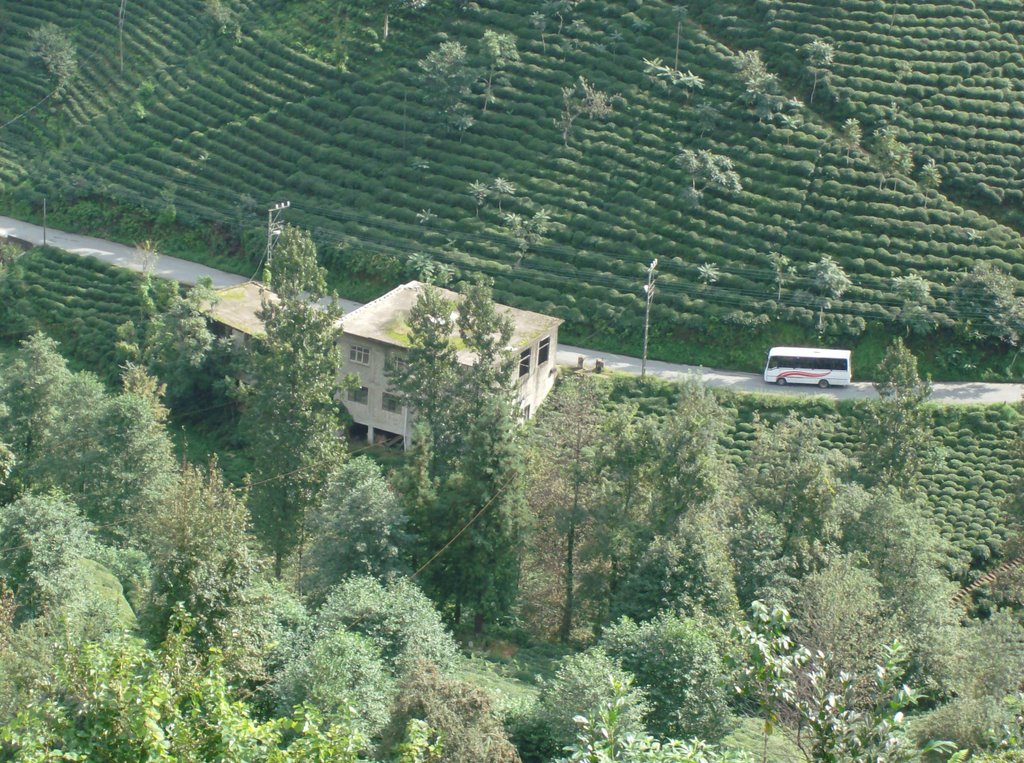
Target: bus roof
[809, 352]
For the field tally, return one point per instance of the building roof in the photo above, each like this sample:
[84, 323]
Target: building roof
[237, 306]
[385, 319]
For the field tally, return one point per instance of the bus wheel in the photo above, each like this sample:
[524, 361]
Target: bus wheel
[823, 384]
[781, 381]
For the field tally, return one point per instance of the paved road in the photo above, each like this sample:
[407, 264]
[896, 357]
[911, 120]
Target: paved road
[189, 272]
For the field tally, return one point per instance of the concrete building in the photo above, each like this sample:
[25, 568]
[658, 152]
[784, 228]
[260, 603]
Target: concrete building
[234, 313]
[376, 335]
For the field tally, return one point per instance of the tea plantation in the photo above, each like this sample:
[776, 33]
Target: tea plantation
[223, 108]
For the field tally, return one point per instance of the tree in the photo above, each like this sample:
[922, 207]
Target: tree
[461, 713]
[761, 85]
[499, 52]
[51, 45]
[985, 299]
[198, 544]
[582, 98]
[708, 170]
[782, 269]
[343, 676]
[43, 539]
[503, 190]
[396, 617]
[480, 192]
[893, 157]
[916, 295]
[527, 232]
[109, 453]
[660, 72]
[582, 684]
[691, 471]
[116, 700]
[677, 664]
[792, 516]
[930, 178]
[565, 476]
[830, 283]
[291, 418]
[821, 56]
[605, 736]
[767, 663]
[448, 77]
[359, 528]
[463, 488]
[174, 342]
[850, 137]
[898, 436]
[843, 616]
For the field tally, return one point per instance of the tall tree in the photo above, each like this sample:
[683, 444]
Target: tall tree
[198, 545]
[708, 170]
[448, 76]
[291, 417]
[465, 498]
[898, 432]
[565, 479]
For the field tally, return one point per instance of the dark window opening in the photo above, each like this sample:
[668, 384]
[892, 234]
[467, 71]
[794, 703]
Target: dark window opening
[543, 351]
[524, 363]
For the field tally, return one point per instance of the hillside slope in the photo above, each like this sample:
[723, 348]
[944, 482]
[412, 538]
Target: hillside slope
[309, 102]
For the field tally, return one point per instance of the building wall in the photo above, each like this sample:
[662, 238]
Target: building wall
[536, 385]
[532, 387]
[372, 376]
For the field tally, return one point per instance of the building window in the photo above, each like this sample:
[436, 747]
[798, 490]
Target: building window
[391, 403]
[361, 395]
[524, 363]
[359, 355]
[543, 351]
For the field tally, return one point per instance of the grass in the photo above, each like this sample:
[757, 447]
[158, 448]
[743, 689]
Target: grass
[747, 736]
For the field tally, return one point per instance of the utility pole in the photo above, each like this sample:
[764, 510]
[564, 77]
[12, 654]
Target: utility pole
[44, 221]
[274, 228]
[649, 291]
[120, 33]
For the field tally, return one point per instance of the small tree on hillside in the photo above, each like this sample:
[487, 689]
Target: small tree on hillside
[54, 48]
[582, 98]
[986, 301]
[448, 77]
[498, 52]
[707, 170]
[782, 270]
[830, 283]
[915, 311]
[821, 56]
[930, 178]
[761, 85]
[850, 137]
[894, 158]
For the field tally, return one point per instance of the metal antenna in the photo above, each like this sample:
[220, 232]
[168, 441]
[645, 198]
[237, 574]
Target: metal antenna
[649, 291]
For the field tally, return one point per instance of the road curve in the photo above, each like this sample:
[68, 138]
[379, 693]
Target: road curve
[188, 272]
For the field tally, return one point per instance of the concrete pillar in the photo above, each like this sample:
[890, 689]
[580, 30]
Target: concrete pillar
[369, 434]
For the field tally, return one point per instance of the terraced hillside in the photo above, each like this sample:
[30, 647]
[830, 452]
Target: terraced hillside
[212, 121]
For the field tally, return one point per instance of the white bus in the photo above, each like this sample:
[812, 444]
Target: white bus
[808, 365]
